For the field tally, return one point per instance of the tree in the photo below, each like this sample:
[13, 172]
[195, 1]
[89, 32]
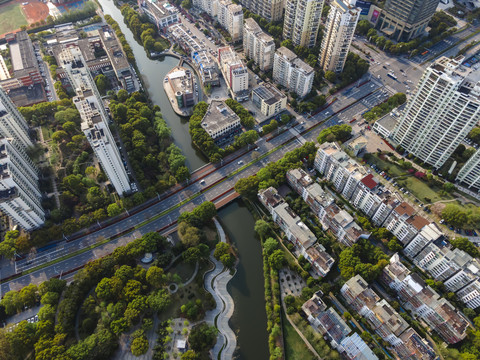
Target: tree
[189, 355]
[139, 346]
[262, 228]
[221, 249]
[155, 277]
[247, 187]
[276, 259]
[102, 83]
[330, 76]
[122, 95]
[464, 244]
[59, 136]
[228, 260]
[394, 245]
[202, 337]
[287, 43]
[191, 255]
[362, 27]
[454, 215]
[114, 210]
[270, 245]
[189, 235]
[159, 300]
[7, 246]
[187, 4]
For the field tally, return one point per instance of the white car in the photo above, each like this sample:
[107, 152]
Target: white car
[240, 162]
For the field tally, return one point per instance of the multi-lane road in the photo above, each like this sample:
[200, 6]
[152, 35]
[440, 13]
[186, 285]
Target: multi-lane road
[215, 185]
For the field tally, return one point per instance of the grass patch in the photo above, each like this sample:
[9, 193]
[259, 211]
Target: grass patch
[392, 169]
[12, 18]
[295, 348]
[47, 133]
[184, 270]
[421, 190]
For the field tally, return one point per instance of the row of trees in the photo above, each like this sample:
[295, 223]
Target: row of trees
[385, 107]
[121, 37]
[335, 133]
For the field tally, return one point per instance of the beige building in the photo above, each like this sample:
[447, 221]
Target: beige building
[234, 72]
[272, 10]
[339, 30]
[291, 72]
[258, 45]
[220, 122]
[228, 15]
[302, 20]
[269, 100]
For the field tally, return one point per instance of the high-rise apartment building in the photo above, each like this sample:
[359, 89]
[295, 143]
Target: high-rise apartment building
[12, 123]
[272, 10]
[302, 20]
[95, 119]
[20, 196]
[234, 72]
[228, 14]
[441, 113]
[291, 72]
[339, 30]
[404, 20]
[469, 174]
[258, 45]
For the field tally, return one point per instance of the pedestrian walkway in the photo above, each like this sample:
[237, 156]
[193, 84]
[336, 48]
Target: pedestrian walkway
[216, 283]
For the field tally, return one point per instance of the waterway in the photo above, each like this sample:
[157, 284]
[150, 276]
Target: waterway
[153, 72]
[247, 287]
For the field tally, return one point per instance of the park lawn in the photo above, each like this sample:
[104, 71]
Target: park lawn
[393, 169]
[46, 132]
[422, 190]
[182, 269]
[12, 18]
[295, 348]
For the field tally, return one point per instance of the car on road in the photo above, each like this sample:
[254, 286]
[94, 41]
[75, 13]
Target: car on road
[240, 162]
[202, 182]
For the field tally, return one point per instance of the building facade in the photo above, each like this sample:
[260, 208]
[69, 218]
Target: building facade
[292, 73]
[269, 100]
[95, 119]
[404, 20]
[469, 174]
[12, 123]
[20, 196]
[339, 30]
[302, 20]
[441, 113]
[161, 13]
[234, 72]
[272, 10]
[258, 45]
[220, 122]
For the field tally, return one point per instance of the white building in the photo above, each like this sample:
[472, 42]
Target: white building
[161, 13]
[12, 124]
[258, 45]
[95, 119]
[228, 15]
[302, 20]
[355, 348]
[220, 122]
[234, 72]
[469, 174]
[20, 196]
[269, 100]
[339, 30]
[441, 112]
[291, 72]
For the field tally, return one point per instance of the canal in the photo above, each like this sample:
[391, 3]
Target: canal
[153, 72]
[249, 320]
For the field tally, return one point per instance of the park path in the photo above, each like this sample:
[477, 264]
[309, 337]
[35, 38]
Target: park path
[216, 283]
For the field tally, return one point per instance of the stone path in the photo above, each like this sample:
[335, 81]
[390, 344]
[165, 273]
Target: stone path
[216, 283]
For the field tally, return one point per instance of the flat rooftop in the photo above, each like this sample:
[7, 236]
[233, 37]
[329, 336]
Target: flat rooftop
[269, 94]
[218, 116]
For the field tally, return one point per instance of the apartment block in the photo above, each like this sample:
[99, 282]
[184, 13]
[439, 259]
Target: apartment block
[159, 12]
[269, 100]
[296, 231]
[228, 14]
[258, 45]
[354, 348]
[272, 10]
[339, 30]
[234, 72]
[424, 302]
[404, 223]
[220, 122]
[429, 234]
[440, 261]
[12, 123]
[343, 226]
[385, 321]
[470, 294]
[441, 112]
[469, 174]
[403, 20]
[20, 196]
[95, 119]
[292, 73]
[302, 20]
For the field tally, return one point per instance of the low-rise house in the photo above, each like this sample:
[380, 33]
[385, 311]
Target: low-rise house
[354, 348]
[220, 122]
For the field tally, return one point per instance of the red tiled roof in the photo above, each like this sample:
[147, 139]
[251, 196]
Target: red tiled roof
[369, 181]
[405, 208]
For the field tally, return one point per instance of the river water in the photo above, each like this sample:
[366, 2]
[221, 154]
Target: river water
[247, 288]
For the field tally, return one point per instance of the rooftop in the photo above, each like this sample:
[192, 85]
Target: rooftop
[268, 93]
[218, 116]
[295, 225]
[286, 53]
[300, 176]
[369, 181]
[404, 209]
[271, 197]
[180, 80]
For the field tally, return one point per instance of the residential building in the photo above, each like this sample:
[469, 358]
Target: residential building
[424, 302]
[230, 17]
[12, 123]
[404, 223]
[95, 119]
[385, 321]
[343, 226]
[220, 122]
[469, 174]
[339, 30]
[441, 112]
[354, 348]
[430, 233]
[234, 72]
[258, 45]
[385, 125]
[318, 199]
[20, 196]
[272, 10]
[298, 180]
[470, 294]
[302, 20]
[403, 20]
[159, 12]
[292, 73]
[297, 232]
[180, 80]
[269, 100]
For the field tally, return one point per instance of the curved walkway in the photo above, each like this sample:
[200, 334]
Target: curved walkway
[216, 283]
